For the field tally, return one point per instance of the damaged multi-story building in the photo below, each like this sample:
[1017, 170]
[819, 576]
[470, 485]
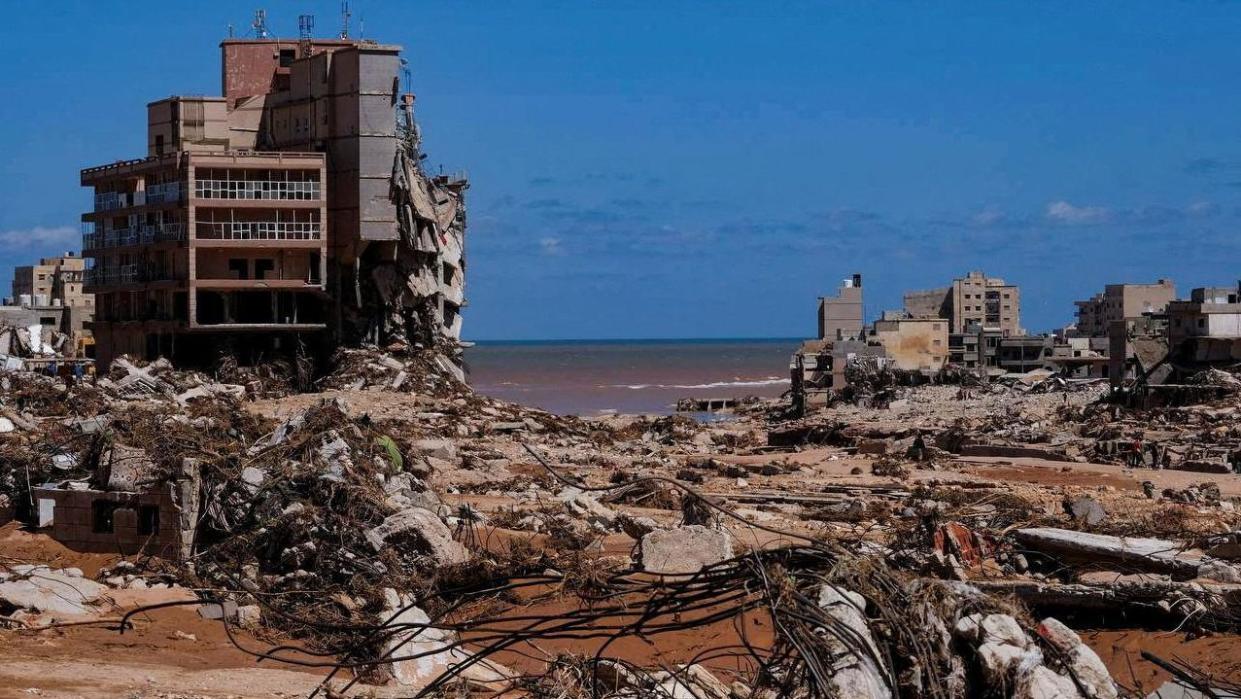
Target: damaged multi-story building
[819, 368]
[971, 302]
[48, 313]
[1121, 302]
[292, 208]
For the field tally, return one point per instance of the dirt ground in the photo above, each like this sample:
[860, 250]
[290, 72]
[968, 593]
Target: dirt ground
[1218, 655]
[153, 659]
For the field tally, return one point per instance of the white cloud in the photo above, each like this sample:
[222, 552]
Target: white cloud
[551, 246]
[988, 217]
[68, 237]
[1064, 212]
[1202, 208]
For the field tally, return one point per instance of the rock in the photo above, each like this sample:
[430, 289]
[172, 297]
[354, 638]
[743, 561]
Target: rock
[853, 675]
[432, 646]
[1135, 553]
[585, 507]
[1042, 683]
[684, 550]
[218, 610]
[636, 527]
[427, 528]
[6, 425]
[877, 447]
[691, 682]
[249, 615]
[1085, 509]
[1086, 664]
[438, 448]
[1002, 628]
[253, 478]
[1000, 661]
[42, 589]
[1220, 571]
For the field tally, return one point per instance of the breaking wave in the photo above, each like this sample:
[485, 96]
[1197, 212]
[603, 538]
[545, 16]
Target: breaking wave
[769, 381]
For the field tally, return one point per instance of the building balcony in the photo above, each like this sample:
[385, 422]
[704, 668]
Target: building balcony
[138, 235]
[258, 190]
[165, 193]
[259, 230]
[121, 275]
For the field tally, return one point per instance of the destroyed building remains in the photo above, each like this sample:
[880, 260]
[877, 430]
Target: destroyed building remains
[292, 208]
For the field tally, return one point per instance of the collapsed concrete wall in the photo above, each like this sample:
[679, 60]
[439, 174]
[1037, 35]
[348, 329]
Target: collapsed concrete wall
[418, 286]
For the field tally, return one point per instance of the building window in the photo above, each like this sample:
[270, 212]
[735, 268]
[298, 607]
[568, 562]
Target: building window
[262, 267]
[148, 519]
[47, 320]
[101, 516]
[286, 57]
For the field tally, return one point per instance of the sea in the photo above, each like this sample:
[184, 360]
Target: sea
[596, 377]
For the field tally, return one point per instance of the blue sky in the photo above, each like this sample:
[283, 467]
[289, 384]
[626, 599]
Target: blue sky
[707, 169]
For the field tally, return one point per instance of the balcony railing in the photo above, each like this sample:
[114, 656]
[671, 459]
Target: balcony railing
[307, 190]
[140, 235]
[164, 192]
[260, 230]
[124, 274]
[154, 194]
[108, 201]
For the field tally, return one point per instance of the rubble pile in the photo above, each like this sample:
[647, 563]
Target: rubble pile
[947, 541]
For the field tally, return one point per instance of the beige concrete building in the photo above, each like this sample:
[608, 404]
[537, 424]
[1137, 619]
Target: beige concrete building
[913, 344]
[1211, 312]
[972, 302]
[840, 316]
[55, 281]
[1122, 302]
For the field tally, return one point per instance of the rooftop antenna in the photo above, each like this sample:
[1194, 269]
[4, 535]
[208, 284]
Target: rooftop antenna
[260, 24]
[344, 20]
[305, 29]
[230, 30]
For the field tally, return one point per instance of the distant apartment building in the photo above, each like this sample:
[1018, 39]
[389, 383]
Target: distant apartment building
[1122, 302]
[54, 281]
[291, 207]
[1212, 313]
[971, 302]
[840, 316]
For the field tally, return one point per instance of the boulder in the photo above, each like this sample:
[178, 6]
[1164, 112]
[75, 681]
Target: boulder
[424, 526]
[859, 676]
[438, 448]
[684, 550]
[1042, 683]
[1085, 663]
[1085, 509]
[423, 652]
[41, 589]
[585, 507]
